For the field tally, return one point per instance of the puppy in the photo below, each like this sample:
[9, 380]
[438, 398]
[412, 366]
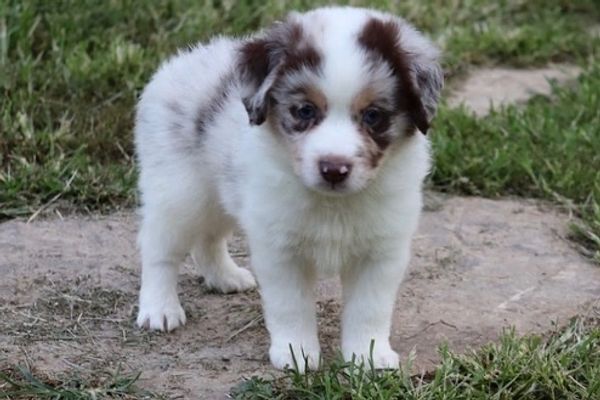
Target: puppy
[311, 137]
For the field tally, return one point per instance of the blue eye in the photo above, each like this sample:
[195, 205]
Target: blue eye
[372, 116]
[306, 113]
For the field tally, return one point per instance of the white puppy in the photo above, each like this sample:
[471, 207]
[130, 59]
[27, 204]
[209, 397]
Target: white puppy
[311, 136]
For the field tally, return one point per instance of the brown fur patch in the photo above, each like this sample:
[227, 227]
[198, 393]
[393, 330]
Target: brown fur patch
[284, 49]
[363, 100]
[372, 152]
[254, 60]
[289, 101]
[293, 125]
[286, 45]
[379, 132]
[380, 38]
[368, 97]
[314, 95]
[298, 51]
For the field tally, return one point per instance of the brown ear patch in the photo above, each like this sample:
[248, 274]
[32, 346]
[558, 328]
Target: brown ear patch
[285, 45]
[264, 61]
[254, 60]
[380, 39]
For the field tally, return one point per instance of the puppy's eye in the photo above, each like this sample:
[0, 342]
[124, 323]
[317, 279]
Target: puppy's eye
[372, 116]
[306, 112]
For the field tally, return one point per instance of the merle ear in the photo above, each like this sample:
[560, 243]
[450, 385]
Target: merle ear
[425, 73]
[413, 60]
[429, 82]
[259, 63]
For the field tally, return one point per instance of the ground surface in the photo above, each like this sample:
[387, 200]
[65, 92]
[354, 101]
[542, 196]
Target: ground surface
[68, 295]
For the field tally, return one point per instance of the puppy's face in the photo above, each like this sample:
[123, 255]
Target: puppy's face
[340, 94]
[336, 141]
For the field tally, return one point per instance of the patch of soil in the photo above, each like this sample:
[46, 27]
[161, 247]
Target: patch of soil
[68, 296]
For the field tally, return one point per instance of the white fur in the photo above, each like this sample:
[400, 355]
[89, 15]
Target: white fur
[195, 189]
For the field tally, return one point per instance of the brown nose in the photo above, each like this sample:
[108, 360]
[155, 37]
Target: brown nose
[335, 170]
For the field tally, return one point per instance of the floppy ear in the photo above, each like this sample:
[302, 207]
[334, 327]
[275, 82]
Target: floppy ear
[429, 81]
[283, 48]
[258, 75]
[259, 63]
[413, 60]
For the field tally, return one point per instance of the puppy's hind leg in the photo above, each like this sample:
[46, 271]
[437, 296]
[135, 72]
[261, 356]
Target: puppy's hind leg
[210, 253]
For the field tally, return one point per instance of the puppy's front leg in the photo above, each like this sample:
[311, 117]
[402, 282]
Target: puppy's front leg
[287, 290]
[369, 295]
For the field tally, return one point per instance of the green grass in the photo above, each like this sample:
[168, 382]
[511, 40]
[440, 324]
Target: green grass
[70, 72]
[21, 383]
[549, 148]
[566, 365]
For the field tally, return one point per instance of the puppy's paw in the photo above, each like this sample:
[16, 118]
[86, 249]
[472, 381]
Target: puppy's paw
[235, 280]
[386, 359]
[383, 356]
[305, 356]
[161, 315]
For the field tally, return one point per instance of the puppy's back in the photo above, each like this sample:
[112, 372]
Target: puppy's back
[182, 97]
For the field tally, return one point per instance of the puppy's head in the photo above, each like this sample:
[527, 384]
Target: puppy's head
[341, 88]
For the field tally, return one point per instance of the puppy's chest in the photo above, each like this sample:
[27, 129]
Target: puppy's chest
[330, 241]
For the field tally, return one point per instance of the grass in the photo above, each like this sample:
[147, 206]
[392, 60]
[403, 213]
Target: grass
[22, 383]
[70, 73]
[565, 365]
[549, 148]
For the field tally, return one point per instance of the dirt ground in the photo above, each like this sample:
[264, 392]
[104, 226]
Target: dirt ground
[68, 296]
